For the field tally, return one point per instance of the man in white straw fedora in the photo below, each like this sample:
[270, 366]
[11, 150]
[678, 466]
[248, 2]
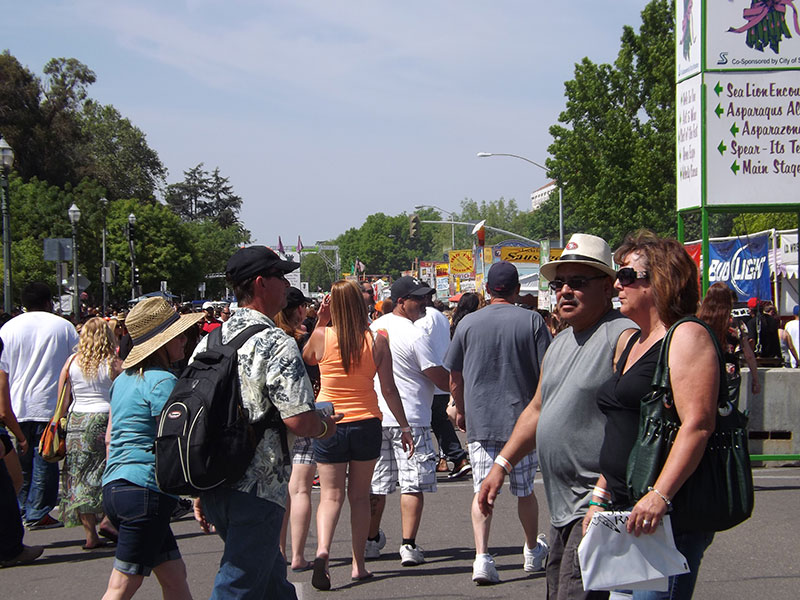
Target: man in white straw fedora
[131, 497]
[563, 421]
[248, 514]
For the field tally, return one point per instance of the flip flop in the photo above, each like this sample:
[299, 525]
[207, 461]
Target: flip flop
[308, 566]
[100, 544]
[363, 577]
[321, 580]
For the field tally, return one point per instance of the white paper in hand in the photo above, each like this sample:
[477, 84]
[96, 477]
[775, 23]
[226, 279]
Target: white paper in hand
[613, 559]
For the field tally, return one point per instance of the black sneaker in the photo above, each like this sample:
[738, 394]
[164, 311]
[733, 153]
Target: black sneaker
[183, 508]
[460, 469]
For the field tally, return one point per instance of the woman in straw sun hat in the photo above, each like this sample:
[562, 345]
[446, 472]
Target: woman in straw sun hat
[131, 497]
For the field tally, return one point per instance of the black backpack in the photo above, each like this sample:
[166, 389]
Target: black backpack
[205, 438]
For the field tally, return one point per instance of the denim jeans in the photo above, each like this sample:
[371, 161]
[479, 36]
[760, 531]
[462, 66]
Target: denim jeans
[39, 493]
[11, 530]
[449, 444]
[681, 587]
[252, 566]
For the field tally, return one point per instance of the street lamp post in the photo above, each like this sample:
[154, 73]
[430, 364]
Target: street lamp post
[560, 199]
[75, 216]
[104, 278]
[131, 227]
[7, 159]
[452, 221]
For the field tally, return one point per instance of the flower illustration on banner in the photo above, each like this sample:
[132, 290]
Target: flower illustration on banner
[766, 24]
[687, 29]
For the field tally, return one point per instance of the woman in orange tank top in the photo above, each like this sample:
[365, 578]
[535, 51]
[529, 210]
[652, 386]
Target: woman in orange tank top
[348, 359]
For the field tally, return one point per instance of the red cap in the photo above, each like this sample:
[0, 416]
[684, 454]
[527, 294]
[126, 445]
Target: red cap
[752, 303]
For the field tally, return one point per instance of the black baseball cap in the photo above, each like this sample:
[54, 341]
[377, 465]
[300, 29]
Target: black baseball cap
[409, 286]
[295, 297]
[248, 262]
[503, 277]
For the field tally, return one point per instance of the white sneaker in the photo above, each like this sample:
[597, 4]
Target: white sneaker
[373, 548]
[411, 556]
[483, 570]
[535, 559]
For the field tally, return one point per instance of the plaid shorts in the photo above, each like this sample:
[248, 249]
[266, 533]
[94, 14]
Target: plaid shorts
[415, 474]
[303, 451]
[481, 456]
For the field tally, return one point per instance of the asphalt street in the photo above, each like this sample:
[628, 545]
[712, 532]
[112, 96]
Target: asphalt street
[758, 559]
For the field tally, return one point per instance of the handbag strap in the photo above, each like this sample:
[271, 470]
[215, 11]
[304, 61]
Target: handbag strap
[62, 395]
[661, 375]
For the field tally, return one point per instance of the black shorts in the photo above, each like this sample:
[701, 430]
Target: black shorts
[359, 440]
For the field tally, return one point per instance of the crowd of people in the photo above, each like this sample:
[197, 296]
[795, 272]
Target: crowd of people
[364, 388]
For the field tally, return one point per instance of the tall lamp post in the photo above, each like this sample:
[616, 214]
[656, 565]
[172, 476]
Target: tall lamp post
[104, 274]
[7, 159]
[75, 216]
[453, 226]
[560, 201]
[131, 228]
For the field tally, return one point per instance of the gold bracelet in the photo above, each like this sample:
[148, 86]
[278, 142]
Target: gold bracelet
[324, 430]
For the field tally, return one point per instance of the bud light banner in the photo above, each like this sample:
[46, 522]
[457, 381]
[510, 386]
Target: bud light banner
[742, 264]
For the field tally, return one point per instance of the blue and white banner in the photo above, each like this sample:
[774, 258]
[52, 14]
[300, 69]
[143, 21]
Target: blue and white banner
[742, 265]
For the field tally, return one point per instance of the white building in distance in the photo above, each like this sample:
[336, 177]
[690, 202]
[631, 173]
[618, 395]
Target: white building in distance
[543, 193]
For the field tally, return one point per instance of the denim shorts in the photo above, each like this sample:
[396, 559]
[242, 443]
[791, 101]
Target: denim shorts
[142, 518]
[359, 440]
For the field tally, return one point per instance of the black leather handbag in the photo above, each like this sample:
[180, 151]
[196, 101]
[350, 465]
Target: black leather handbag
[719, 494]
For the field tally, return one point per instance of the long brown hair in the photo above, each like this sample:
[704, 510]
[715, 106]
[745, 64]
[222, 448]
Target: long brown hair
[288, 321]
[673, 273]
[350, 322]
[716, 310]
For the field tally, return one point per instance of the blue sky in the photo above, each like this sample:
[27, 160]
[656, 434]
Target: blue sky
[323, 112]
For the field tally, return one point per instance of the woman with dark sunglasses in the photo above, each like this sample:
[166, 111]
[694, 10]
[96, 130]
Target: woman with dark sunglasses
[657, 286]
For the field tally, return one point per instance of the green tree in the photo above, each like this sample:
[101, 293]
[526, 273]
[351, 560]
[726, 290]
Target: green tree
[122, 162]
[614, 152]
[316, 272]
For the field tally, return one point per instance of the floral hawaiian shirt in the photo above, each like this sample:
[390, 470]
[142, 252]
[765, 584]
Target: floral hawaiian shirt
[271, 372]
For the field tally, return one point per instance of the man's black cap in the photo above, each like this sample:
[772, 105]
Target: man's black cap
[295, 297]
[409, 286]
[248, 262]
[503, 278]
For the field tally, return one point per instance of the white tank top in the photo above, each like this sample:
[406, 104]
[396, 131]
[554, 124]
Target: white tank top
[90, 396]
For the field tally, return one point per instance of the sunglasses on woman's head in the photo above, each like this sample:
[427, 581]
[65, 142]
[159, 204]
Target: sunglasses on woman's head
[576, 283]
[628, 276]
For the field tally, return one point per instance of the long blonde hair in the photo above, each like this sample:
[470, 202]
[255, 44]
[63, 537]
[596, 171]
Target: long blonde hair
[350, 321]
[95, 346]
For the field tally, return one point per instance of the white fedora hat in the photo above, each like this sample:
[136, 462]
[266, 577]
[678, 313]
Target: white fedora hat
[583, 249]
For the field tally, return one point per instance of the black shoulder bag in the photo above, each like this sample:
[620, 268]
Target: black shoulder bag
[719, 494]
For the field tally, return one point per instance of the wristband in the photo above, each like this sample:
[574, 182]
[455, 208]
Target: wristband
[660, 495]
[324, 430]
[405, 430]
[507, 466]
[600, 504]
[601, 493]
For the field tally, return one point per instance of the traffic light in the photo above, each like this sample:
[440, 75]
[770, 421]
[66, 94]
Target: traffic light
[413, 227]
[136, 276]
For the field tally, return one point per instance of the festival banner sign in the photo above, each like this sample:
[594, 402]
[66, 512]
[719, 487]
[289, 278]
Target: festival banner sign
[461, 263]
[742, 265]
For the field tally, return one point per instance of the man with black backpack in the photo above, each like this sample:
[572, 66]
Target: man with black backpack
[248, 513]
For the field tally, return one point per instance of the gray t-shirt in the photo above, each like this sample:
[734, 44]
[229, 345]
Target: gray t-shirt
[570, 430]
[499, 351]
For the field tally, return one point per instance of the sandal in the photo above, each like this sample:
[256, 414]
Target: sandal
[100, 544]
[321, 580]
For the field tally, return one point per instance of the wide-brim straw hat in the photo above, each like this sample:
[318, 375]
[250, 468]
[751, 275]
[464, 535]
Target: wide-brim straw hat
[151, 324]
[583, 249]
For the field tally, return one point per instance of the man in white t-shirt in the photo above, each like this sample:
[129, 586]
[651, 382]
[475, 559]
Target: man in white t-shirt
[37, 343]
[437, 328]
[416, 372]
